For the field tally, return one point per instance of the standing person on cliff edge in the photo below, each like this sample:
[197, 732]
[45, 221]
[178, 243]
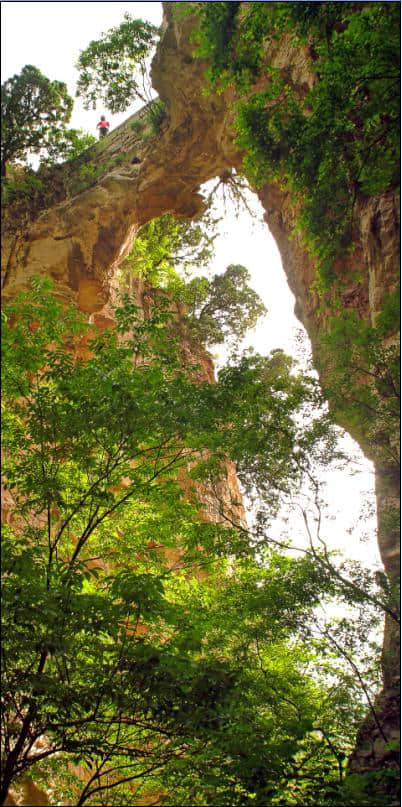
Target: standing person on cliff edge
[103, 127]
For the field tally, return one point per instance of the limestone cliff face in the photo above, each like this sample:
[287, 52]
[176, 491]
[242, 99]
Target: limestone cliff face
[82, 235]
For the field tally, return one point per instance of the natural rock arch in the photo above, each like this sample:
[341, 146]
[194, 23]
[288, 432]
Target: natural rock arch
[81, 237]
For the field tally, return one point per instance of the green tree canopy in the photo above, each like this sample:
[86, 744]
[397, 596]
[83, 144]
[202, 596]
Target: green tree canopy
[223, 308]
[34, 114]
[118, 653]
[167, 248]
[112, 69]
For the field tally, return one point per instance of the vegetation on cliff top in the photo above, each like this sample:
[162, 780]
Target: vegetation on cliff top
[113, 68]
[35, 112]
[340, 140]
[34, 116]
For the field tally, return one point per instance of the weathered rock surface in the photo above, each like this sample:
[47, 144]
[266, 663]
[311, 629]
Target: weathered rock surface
[81, 239]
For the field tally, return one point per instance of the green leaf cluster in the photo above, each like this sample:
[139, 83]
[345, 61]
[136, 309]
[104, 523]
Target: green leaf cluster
[113, 67]
[166, 243]
[224, 308]
[34, 114]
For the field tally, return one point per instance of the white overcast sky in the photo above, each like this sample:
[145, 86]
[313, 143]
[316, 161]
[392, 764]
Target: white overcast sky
[50, 35]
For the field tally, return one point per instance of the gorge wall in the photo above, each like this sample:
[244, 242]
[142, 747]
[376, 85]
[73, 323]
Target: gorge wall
[80, 235]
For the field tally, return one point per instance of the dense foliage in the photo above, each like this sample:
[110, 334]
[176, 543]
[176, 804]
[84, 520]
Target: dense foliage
[34, 115]
[165, 244]
[340, 140]
[119, 653]
[113, 68]
[224, 308]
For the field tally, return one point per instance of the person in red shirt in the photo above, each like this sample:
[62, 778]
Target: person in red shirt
[103, 127]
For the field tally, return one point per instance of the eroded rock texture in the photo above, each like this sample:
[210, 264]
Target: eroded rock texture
[82, 235]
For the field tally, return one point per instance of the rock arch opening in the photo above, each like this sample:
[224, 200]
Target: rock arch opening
[81, 238]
